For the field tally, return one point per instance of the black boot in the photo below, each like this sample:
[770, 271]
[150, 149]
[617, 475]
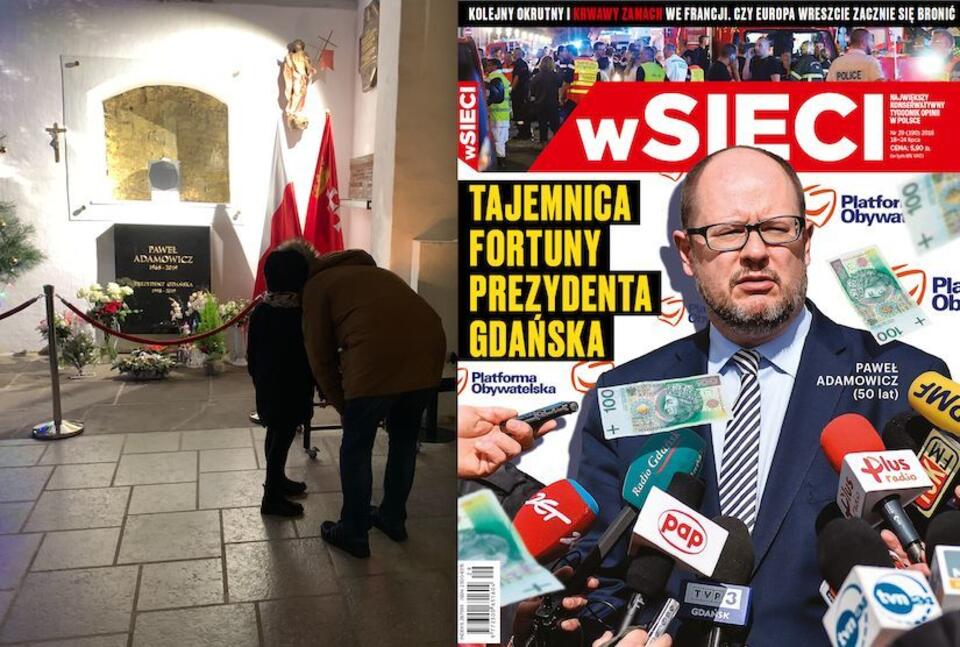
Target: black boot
[293, 488]
[273, 503]
[395, 531]
[335, 534]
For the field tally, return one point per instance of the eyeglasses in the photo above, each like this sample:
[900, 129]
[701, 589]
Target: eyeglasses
[733, 236]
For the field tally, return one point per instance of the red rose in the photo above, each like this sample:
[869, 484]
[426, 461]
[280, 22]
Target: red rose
[112, 307]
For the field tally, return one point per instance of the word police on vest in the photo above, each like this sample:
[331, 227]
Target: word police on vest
[679, 531]
[722, 604]
[937, 399]
[875, 605]
[555, 517]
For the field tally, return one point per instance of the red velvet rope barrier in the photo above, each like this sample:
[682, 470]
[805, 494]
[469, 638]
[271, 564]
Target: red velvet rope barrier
[158, 342]
[22, 306]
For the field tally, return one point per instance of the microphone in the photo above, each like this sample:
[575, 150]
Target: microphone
[939, 455]
[874, 484]
[936, 398]
[875, 605]
[678, 530]
[724, 603]
[650, 569]
[943, 553]
[662, 456]
[846, 543]
[554, 518]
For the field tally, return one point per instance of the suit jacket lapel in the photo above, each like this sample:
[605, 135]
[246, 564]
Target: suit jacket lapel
[807, 413]
[693, 361]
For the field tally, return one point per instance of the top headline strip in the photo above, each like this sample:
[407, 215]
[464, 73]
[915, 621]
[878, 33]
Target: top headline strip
[474, 13]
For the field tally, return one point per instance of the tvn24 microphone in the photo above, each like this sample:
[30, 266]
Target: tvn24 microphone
[662, 456]
[936, 398]
[875, 484]
[554, 518]
[723, 603]
[939, 455]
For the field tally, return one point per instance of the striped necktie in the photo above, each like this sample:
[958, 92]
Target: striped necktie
[739, 473]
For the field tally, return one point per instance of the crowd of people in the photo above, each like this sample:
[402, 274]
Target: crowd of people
[544, 86]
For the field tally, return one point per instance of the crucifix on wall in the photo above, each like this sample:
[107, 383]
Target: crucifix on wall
[55, 131]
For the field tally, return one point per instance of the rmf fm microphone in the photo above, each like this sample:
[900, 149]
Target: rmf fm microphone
[936, 398]
[874, 484]
[554, 518]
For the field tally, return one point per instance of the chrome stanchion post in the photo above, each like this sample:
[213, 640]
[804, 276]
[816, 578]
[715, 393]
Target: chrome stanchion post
[57, 428]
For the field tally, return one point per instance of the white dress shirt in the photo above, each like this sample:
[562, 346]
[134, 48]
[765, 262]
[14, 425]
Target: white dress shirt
[779, 360]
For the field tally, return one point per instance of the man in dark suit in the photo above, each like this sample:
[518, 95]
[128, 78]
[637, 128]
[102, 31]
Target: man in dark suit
[745, 242]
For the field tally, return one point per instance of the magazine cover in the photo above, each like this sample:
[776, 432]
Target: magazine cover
[707, 302]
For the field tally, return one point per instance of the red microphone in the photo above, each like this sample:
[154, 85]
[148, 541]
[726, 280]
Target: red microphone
[554, 518]
[875, 483]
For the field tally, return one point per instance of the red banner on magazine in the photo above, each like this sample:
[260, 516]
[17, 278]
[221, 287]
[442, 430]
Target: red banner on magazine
[468, 123]
[827, 127]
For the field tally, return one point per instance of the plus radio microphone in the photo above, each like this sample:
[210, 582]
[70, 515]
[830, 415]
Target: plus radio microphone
[554, 518]
[939, 455]
[875, 484]
[937, 399]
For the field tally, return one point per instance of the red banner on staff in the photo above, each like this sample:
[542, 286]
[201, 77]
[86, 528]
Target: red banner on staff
[827, 127]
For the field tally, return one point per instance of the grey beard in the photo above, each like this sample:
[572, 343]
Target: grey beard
[761, 323]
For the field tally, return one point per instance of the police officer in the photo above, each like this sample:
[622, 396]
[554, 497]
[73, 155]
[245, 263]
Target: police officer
[649, 69]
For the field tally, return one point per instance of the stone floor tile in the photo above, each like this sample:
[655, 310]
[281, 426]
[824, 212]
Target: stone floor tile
[165, 497]
[317, 508]
[146, 416]
[305, 622]
[89, 475]
[319, 478]
[279, 569]
[384, 606]
[224, 460]
[152, 442]
[232, 625]
[432, 542]
[83, 449]
[231, 489]
[80, 602]
[169, 536]
[216, 438]
[12, 516]
[16, 551]
[180, 584]
[6, 597]
[247, 524]
[77, 549]
[21, 455]
[22, 483]
[76, 509]
[168, 467]
[113, 640]
[298, 457]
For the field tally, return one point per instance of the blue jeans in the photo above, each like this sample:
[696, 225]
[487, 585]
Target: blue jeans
[403, 413]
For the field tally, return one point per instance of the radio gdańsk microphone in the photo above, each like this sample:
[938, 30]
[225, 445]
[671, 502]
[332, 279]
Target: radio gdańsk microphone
[661, 457]
[724, 603]
[650, 568]
[936, 398]
[875, 484]
[844, 543]
[943, 553]
[554, 518]
[939, 455]
[875, 605]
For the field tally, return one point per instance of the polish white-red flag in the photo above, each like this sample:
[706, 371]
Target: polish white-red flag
[322, 227]
[282, 221]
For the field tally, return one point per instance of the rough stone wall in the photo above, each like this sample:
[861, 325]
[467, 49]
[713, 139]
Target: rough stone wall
[179, 123]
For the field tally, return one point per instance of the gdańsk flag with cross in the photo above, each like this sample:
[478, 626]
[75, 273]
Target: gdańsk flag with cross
[322, 227]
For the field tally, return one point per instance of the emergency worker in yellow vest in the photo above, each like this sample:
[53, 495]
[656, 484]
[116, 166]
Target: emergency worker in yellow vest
[498, 102]
[650, 69]
[586, 70]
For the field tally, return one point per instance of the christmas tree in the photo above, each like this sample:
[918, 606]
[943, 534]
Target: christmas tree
[17, 253]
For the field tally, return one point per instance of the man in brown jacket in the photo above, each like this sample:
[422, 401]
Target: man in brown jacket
[376, 349]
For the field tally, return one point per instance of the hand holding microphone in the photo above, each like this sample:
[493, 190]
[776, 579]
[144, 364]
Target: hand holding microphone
[488, 437]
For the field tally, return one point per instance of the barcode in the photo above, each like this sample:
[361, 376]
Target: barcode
[478, 602]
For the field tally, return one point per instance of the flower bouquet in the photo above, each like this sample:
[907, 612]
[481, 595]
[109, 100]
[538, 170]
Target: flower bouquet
[62, 328]
[238, 336]
[214, 346]
[149, 363]
[79, 350]
[108, 306]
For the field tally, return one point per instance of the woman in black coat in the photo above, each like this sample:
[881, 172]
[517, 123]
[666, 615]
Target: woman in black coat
[277, 362]
[545, 97]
